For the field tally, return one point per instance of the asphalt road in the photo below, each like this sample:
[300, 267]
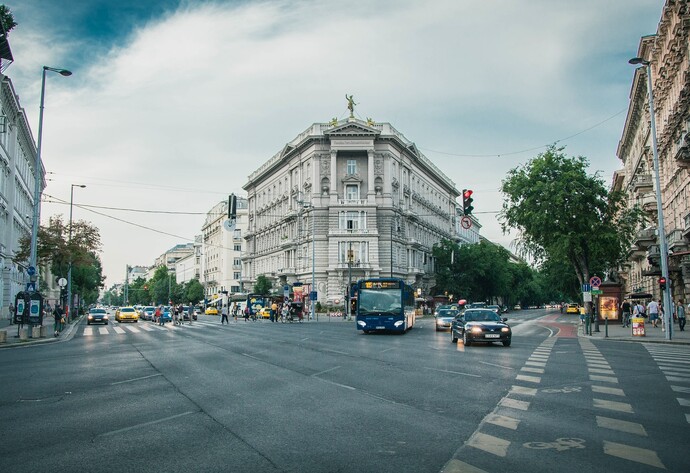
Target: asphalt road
[322, 397]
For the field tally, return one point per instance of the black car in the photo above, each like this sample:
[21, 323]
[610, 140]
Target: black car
[480, 325]
[97, 315]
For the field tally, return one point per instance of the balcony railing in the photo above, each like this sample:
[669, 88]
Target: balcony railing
[352, 202]
[676, 241]
[645, 238]
[642, 182]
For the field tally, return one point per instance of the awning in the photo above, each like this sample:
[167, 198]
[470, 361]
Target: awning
[639, 295]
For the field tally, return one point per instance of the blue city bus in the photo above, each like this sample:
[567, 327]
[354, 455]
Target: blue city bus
[385, 305]
[256, 302]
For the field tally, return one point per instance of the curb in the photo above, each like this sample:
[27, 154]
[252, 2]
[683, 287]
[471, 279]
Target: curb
[65, 336]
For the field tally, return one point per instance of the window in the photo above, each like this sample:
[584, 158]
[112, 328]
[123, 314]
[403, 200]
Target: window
[360, 251]
[351, 166]
[236, 261]
[237, 275]
[351, 192]
[237, 247]
[352, 221]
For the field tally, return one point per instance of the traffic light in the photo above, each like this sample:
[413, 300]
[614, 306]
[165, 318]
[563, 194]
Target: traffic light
[467, 200]
[232, 206]
[662, 283]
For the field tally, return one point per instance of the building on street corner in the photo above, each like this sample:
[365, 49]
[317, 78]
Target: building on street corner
[668, 52]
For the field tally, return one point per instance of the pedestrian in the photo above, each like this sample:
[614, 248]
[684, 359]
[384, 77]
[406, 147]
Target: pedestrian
[161, 311]
[58, 315]
[653, 311]
[625, 307]
[191, 312]
[284, 313]
[234, 311]
[680, 313]
[11, 313]
[246, 313]
[224, 314]
[274, 312]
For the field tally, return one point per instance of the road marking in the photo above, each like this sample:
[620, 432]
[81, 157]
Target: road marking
[454, 372]
[136, 379]
[529, 379]
[535, 363]
[539, 358]
[676, 373]
[489, 443]
[325, 371]
[532, 370]
[607, 379]
[683, 401]
[118, 330]
[676, 379]
[680, 389]
[133, 329]
[607, 390]
[671, 360]
[613, 405]
[636, 454]
[621, 426]
[674, 368]
[523, 390]
[146, 327]
[503, 421]
[103, 330]
[687, 417]
[126, 429]
[514, 404]
[597, 364]
[495, 365]
[88, 331]
[457, 466]
[600, 371]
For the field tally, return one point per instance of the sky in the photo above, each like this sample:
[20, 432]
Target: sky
[173, 103]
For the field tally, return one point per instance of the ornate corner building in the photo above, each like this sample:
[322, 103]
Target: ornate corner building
[346, 200]
[668, 52]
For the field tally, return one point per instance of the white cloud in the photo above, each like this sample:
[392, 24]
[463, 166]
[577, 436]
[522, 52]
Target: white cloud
[200, 98]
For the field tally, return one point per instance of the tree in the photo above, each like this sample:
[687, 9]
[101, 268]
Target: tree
[6, 19]
[263, 285]
[194, 291]
[564, 214]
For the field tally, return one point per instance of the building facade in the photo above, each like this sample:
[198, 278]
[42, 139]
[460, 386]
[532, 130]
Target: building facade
[668, 52]
[347, 200]
[222, 249]
[17, 183]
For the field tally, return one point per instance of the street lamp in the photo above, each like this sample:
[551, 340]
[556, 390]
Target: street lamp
[37, 172]
[663, 245]
[69, 246]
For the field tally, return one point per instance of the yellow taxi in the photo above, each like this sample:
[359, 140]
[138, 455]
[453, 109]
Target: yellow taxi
[211, 310]
[572, 309]
[126, 314]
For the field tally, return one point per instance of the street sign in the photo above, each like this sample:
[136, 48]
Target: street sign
[595, 281]
[31, 287]
[30, 270]
[62, 282]
[466, 222]
[312, 295]
[587, 296]
[586, 288]
[597, 292]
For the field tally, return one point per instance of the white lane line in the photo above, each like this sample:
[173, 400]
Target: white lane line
[132, 329]
[607, 379]
[88, 331]
[600, 371]
[103, 330]
[532, 370]
[613, 405]
[676, 373]
[325, 371]
[118, 330]
[503, 421]
[454, 372]
[489, 443]
[683, 401]
[607, 390]
[680, 389]
[621, 426]
[514, 404]
[495, 365]
[636, 454]
[146, 327]
[535, 363]
[676, 379]
[153, 422]
[523, 390]
[529, 379]
[674, 368]
[136, 379]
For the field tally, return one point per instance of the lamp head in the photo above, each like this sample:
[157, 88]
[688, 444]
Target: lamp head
[638, 60]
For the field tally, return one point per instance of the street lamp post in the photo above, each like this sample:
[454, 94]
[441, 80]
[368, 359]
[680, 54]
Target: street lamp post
[69, 247]
[663, 245]
[37, 172]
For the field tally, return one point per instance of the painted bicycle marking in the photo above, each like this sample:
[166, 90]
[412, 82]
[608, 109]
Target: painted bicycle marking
[566, 390]
[559, 445]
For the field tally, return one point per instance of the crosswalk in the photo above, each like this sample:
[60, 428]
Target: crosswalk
[138, 328]
[674, 362]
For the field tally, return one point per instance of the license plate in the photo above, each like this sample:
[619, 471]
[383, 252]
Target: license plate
[380, 327]
[492, 335]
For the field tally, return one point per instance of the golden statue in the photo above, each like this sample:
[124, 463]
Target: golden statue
[351, 105]
[334, 121]
[370, 121]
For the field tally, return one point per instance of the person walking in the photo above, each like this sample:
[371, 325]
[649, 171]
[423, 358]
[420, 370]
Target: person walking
[246, 313]
[625, 307]
[680, 314]
[653, 311]
[224, 314]
[11, 313]
[58, 315]
[191, 312]
[234, 311]
[274, 312]
[160, 311]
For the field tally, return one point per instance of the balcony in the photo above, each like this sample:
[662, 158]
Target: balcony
[348, 231]
[648, 203]
[654, 255]
[642, 183]
[645, 238]
[676, 241]
[682, 155]
[686, 230]
[353, 202]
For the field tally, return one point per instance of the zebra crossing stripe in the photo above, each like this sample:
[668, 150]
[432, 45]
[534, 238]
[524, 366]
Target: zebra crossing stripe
[636, 454]
[489, 443]
[621, 426]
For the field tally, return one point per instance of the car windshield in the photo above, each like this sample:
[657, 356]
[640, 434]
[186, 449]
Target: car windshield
[127, 309]
[481, 316]
[447, 313]
[97, 311]
[150, 309]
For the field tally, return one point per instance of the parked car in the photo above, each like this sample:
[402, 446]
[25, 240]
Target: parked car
[147, 313]
[572, 309]
[444, 318]
[97, 315]
[124, 314]
[211, 310]
[495, 308]
[480, 325]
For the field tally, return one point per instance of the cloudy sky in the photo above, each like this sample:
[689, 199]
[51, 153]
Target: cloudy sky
[173, 103]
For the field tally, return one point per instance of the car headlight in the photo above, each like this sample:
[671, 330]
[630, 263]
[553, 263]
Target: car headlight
[505, 330]
[90, 316]
[476, 330]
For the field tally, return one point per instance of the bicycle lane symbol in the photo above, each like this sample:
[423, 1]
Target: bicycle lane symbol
[560, 445]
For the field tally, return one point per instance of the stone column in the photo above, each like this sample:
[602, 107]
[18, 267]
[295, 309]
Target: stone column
[370, 174]
[334, 175]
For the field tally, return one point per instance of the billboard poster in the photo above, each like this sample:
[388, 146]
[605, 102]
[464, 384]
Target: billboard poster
[608, 307]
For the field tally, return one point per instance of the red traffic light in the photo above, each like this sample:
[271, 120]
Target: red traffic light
[662, 283]
[466, 194]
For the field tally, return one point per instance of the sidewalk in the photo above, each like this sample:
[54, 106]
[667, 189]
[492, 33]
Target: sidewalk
[617, 332]
[12, 340]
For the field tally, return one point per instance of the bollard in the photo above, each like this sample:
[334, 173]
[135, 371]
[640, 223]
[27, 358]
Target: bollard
[44, 331]
[23, 334]
[3, 336]
[35, 331]
[606, 327]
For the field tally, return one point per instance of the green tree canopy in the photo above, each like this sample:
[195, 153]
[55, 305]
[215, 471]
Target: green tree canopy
[7, 19]
[194, 291]
[263, 285]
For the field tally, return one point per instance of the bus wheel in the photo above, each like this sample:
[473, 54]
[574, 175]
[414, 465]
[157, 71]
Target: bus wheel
[366, 332]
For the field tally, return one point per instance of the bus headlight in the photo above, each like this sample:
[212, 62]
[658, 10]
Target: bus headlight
[398, 323]
[361, 323]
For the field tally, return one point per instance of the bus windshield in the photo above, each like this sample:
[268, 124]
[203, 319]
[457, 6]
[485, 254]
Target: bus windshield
[379, 301]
